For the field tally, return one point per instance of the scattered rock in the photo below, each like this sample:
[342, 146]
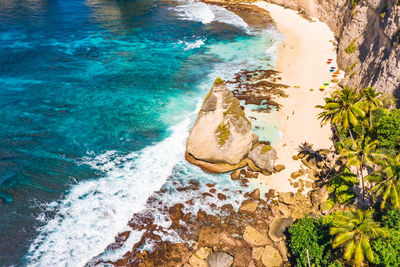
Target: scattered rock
[209, 236]
[221, 259]
[257, 252]
[201, 215]
[320, 195]
[278, 227]
[199, 259]
[248, 206]
[271, 257]
[254, 238]
[221, 196]
[296, 174]
[270, 194]
[175, 213]
[284, 209]
[279, 167]
[226, 239]
[255, 194]
[235, 175]
[287, 198]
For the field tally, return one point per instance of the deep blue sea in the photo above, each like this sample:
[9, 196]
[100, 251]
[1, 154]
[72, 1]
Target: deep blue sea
[96, 101]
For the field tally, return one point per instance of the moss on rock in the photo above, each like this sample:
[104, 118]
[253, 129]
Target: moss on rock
[223, 133]
[218, 82]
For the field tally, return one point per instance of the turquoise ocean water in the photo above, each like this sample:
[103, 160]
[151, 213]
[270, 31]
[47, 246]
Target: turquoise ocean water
[96, 101]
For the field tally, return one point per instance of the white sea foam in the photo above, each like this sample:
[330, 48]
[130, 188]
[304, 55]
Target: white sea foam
[192, 45]
[206, 13]
[94, 211]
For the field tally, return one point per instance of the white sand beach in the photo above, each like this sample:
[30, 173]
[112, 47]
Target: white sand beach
[302, 61]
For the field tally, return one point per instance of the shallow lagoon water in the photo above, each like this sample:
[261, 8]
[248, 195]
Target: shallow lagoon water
[96, 101]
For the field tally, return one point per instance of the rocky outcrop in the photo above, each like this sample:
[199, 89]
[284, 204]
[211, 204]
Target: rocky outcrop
[222, 138]
[368, 36]
[221, 133]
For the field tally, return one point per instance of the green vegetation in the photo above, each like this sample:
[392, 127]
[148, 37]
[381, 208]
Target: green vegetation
[354, 231]
[311, 234]
[223, 133]
[218, 82]
[367, 139]
[265, 149]
[351, 48]
[354, 3]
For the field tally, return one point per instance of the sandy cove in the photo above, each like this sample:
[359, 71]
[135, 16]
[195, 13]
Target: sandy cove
[302, 60]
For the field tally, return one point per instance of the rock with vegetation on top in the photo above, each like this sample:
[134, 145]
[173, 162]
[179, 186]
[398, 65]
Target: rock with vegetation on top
[263, 156]
[221, 134]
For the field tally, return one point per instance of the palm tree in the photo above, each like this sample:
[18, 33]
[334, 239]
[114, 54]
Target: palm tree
[387, 180]
[360, 153]
[343, 108]
[371, 101]
[354, 231]
[328, 114]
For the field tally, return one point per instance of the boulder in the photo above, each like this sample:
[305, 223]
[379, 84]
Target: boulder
[278, 227]
[320, 195]
[221, 132]
[257, 252]
[221, 259]
[199, 259]
[254, 238]
[271, 257]
[287, 198]
[209, 236]
[226, 239]
[235, 175]
[248, 206]
[263, 156]
[270, 193]
[175, 213]
[255, 194]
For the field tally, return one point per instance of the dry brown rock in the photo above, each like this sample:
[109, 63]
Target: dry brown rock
[283, 250]
[257, 252]
[284, 209]
[254, 238]
[235, 175]
[199, 259]
[271, 257]
[270, 193]
[255, 194]
[226, 239]
[209, 236]
[279, 167]
[287, 198]
[248, 206]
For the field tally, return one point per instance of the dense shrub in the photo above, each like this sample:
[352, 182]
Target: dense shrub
[311, 234]
[387, 127]
[387, 250]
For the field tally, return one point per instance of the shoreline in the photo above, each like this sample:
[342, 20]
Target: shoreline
[302, 63]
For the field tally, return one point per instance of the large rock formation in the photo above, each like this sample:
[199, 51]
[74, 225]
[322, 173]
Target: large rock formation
[368, 38]
[221, 135]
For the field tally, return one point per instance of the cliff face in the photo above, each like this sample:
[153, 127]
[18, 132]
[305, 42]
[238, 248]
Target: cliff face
[368, 36]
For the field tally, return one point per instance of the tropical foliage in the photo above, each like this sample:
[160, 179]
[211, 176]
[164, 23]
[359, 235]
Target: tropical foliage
[354, 231]
[387, 180]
